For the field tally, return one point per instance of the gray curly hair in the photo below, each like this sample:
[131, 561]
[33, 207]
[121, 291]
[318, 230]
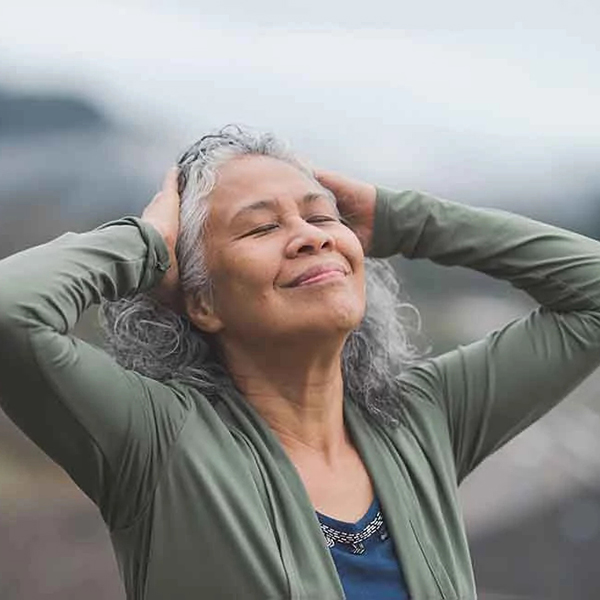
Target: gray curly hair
[145, 336]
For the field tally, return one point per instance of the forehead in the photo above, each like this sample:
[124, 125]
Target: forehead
[244, 180]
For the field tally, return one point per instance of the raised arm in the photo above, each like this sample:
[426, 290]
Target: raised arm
[107, 427]
[492, 389]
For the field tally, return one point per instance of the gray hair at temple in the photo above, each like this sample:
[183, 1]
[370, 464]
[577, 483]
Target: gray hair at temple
[147, 337]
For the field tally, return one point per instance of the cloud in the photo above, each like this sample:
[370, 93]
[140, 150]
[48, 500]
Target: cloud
[155, 57]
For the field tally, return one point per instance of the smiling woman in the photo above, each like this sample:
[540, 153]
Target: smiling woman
[162, 344]
[267, 431]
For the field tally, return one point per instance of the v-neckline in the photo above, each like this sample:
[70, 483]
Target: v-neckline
[386, 471]
[349, 526]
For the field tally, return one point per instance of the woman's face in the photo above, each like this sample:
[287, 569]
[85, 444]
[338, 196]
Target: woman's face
[281, 262]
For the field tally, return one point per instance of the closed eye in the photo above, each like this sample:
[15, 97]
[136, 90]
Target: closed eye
[266, 228]
[329, 218]
[322, 219]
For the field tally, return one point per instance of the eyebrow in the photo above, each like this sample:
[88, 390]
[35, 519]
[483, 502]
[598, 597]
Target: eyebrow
[272, 204]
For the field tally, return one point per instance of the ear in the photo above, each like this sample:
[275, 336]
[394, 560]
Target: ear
[201, 313]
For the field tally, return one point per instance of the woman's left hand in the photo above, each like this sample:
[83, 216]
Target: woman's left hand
[355, 201]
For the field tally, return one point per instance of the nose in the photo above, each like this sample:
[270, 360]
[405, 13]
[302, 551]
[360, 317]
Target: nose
[308, 238]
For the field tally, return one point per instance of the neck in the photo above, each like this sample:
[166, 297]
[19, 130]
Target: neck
[298, 390]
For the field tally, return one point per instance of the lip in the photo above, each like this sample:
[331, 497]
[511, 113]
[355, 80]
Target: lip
[318, 273]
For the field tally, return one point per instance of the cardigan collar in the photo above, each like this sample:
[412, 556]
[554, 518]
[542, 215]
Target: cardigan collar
[303, 548]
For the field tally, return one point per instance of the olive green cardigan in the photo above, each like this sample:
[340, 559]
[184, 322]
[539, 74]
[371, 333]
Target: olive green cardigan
[200, 498]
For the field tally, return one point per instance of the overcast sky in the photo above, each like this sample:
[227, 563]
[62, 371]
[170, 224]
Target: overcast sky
[428, 86]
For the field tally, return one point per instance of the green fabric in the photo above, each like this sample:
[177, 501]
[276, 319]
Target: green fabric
[200, 498]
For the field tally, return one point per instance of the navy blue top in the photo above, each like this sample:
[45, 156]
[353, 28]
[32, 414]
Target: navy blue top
[365, 557]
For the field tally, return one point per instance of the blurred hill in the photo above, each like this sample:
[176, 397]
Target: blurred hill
[22, 115]
[65, 165]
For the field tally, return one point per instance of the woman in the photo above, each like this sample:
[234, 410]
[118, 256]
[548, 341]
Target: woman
[281, 440]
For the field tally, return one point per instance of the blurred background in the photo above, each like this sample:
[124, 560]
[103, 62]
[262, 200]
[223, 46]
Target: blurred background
[493, 104]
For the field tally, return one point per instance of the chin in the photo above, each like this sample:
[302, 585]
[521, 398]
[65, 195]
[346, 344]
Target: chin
[344, 317]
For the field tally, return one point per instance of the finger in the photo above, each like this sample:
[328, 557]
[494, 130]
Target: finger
[151, 206]
[326, 177]
[335, 182]
[170, 184]
[168, 189]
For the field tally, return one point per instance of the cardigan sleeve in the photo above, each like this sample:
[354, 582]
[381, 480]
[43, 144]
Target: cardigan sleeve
[492, 389]
[109, 428]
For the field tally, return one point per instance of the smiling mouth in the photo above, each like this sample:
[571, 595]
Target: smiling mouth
[324, 272]
[321, 278]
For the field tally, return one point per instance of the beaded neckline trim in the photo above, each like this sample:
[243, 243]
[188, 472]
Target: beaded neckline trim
[354, 540]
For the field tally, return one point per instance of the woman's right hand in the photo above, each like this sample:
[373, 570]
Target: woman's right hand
[163, 214]
[356, 203]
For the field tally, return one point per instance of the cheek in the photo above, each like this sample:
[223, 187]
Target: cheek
[349, 245]
[243, 279]
[360, 284]
[354, 254]
[361, 292]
